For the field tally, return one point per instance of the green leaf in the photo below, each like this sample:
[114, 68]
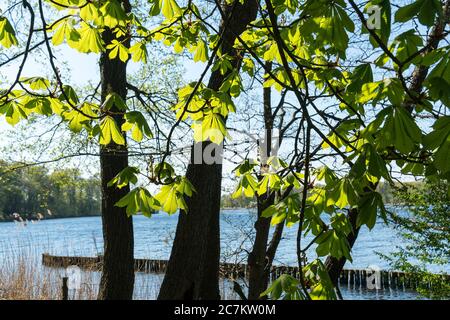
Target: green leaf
[113, 100]
[324, 173]
[201, 51]
[247, 186]
[185, 187]
[379, 11]
[322, 287]
[269, 211]
[170, 199]
[170, 8]
[285, 284]
[334, 242]
[69, 95]
[439, 141]
[286, 210]
[272, 53]
[164, 170]
[57, 106]
[139, 200]
[393, 89]
[139, 52]
[232, 84]
[13, 112]
[361, 75]
[212, 127]
[113, 14]
[425, 10]
[334, 139]
[342, 194]
[246, 166]
[155, 9]
[376, 164]
[438, 81]
[406, 44]
[110, 131]
[89, 12]
[65, 30]
[370, 161]
[369, 205]
[117, 49]
[90, 39]
[248, 66]
[36, 83]
[401, 131]
[125, 177]
[369, 91]
[278, 217]
[270, 182]
[7, 33]
[138, 125]
[39, 105]
[407, 12]
[79, 119]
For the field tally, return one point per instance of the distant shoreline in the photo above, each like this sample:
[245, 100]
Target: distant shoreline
[11, 219]
[34, 218]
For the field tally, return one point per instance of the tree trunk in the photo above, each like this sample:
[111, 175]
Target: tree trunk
[193, 268]
[117, 279]
[257, 259]
[334, 266]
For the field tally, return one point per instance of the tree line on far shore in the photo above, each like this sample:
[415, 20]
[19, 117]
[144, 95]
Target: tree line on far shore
[35, 193]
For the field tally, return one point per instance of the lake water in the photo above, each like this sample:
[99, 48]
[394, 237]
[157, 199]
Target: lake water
[154, 236]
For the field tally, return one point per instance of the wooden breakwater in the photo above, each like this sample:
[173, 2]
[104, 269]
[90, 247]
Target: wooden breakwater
[350, 277]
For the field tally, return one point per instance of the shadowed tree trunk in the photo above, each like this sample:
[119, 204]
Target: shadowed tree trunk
[262, 255]
[117, 279]
[193, 269]
[257, 259]
[334, 265]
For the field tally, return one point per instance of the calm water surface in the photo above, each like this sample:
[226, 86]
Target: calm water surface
[154, 236]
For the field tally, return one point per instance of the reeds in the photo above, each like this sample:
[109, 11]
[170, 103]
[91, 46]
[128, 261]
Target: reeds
[23, 277]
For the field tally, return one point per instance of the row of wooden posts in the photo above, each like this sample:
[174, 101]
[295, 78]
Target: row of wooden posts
[350, 277]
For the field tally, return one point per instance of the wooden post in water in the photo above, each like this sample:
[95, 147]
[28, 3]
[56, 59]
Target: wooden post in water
[272, 273]
[357, 278]
[65, 288]
[344, 276]
[363, 278]
[351, 275]
[385, 276]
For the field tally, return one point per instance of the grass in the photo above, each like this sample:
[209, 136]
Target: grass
[23, 278]
[25, 282]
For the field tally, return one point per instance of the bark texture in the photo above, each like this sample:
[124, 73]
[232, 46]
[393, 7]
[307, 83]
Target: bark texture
[117, 279]
[258, 261]
[193, 269]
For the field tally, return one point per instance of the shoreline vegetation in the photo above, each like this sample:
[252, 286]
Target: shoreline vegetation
[36, 192]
